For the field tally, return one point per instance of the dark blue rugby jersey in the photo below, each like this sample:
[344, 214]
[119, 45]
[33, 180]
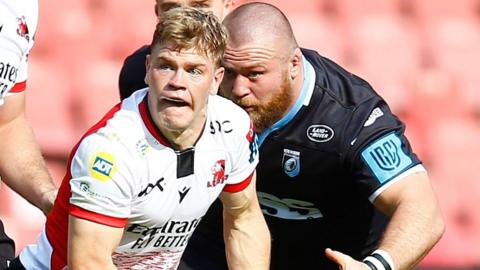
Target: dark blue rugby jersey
[323, 164]
[132, 74]
[320, 168]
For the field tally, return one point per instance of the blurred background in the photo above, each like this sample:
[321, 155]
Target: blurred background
[422, 56]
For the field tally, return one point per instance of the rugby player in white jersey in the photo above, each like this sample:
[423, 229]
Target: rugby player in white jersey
[22, 166]
[140, 180]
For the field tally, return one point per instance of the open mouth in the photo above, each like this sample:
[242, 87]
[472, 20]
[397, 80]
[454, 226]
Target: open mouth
[175, 102]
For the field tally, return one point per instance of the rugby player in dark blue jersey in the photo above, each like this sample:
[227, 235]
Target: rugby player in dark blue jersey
[338, 181]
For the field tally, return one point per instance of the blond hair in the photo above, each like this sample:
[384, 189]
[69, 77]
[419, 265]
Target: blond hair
[190, 28]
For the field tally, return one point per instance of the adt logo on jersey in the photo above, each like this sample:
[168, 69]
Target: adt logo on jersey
[218, 171]
[291, 162]
[102, 166]
[320, 133]
[386, 158]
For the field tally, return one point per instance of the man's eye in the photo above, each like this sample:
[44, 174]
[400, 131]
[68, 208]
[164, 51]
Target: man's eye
[201, 5]
[254, 74]
[195, 71]
[229, 73]
[164, 67]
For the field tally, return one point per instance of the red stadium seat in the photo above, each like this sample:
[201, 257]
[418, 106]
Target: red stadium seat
[379, 57]
[455, 147]
[454, 46]
[432, 12]
[321, 34]
[96, 91]
[291, 7]
[49, 107]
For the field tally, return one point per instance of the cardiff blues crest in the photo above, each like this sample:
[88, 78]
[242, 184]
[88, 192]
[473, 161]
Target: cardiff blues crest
[291, 162]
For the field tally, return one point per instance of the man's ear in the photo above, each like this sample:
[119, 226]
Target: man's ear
[217, 80]
[148, 63]
[156, 10]
[295, 63]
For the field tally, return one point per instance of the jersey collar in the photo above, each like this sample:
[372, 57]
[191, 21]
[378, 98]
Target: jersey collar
[302, 100]
[148, 121]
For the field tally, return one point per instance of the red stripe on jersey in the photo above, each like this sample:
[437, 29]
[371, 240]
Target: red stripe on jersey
[147, 119]
[19, 87]
[96, 217]
[232, 188]
[57, 220]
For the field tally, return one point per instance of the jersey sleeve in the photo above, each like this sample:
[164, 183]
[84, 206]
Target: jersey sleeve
[16, 41]
[245, 160]
[102, 182]
[378, 152]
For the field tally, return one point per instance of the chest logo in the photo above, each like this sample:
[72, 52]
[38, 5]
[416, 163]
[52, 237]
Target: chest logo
[218, 171]
[150, 187]
[291, 162]
[183, 193]
[287, 208]
[320, 133]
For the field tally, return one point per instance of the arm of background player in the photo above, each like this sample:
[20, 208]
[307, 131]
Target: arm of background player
[90, 245]
[247, 239]
[415, 226]
[22, 166]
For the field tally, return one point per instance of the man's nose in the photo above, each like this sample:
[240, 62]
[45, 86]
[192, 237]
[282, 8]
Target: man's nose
[240, 87]
[178, 79]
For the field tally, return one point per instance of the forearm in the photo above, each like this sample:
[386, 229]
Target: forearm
[22, 166]
[412, 232]
[416, 223]
[247, 242]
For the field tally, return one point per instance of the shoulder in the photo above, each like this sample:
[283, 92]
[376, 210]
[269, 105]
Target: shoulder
[117, 132]
[221, 108]
[341, 105]
[338, 84]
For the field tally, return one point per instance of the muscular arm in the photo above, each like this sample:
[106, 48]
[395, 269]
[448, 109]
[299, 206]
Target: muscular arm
[247, 238]
[22, 166]
[416, 223]
[415, 226]
[90, 245]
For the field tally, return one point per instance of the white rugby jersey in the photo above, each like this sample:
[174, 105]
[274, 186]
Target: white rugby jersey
[124, 174]
[18, 23]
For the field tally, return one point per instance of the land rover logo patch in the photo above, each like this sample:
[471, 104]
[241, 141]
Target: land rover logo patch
[320, 133]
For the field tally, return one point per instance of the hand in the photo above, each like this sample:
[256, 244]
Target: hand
[48, 199]
[344, 261]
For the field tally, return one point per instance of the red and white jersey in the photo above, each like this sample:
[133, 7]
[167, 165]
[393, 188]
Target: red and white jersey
[124, 174]
[18, 23]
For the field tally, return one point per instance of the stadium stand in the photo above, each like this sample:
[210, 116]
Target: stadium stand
[422, 56]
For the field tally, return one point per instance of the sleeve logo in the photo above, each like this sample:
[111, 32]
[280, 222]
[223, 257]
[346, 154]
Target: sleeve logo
[386, 158]
[102, 166]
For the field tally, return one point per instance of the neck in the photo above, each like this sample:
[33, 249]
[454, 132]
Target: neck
[181, 139]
